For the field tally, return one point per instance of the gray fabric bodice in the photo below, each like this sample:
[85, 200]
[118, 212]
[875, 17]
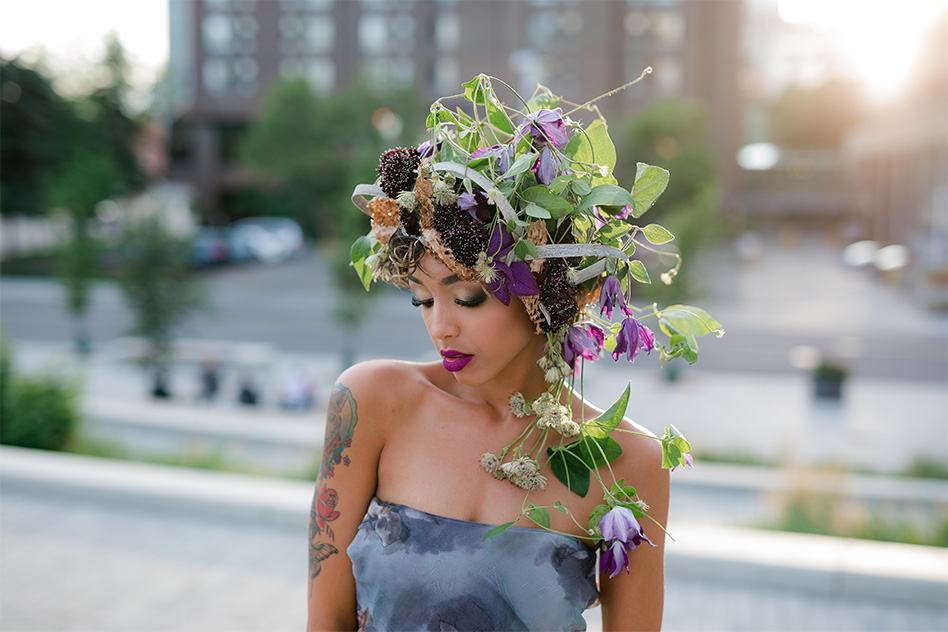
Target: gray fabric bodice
[417, 571]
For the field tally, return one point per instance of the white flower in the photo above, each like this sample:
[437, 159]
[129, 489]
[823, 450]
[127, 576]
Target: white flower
[493, 195]
[443, 194]
[491, 463]
[407, 200]
[519, 406]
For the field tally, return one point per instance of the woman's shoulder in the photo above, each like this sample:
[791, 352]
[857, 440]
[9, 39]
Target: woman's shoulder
[384, 382]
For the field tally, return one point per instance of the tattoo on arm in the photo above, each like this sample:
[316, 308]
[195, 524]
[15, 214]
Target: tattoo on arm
[340, 423]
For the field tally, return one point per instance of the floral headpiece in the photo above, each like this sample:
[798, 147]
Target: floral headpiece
[524, 201]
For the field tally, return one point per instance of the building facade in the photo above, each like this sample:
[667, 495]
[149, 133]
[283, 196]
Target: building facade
[226, 53]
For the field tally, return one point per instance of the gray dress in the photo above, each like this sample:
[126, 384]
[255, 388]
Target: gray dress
[417, 571]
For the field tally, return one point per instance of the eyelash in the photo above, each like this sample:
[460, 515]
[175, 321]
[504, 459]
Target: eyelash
[428, 302]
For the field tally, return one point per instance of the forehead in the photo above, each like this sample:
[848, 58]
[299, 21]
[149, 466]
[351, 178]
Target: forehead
[431, 268]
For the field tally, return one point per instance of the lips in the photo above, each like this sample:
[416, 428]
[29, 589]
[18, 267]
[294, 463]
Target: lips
[454, 361]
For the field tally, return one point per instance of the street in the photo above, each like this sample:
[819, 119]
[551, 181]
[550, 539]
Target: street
[792, 298]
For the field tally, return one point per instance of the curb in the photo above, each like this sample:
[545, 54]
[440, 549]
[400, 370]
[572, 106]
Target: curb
[826, 565]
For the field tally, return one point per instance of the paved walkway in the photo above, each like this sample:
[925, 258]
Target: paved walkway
[119, 547]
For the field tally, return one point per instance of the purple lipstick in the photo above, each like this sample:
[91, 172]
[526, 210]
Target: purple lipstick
[454, 361]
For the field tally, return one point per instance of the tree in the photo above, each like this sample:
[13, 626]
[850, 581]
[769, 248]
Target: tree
[34, 128]
[158, 285]
[309, 152]
[674, 135]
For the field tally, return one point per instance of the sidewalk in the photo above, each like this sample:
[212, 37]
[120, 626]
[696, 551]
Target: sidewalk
[145, 547]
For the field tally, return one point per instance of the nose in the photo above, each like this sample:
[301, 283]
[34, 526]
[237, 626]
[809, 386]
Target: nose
[442, 322]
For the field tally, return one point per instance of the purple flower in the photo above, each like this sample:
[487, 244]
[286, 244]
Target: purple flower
[582, 343]
[501, 153]
[428, 148]
[689, 461]
[545, 167]
[619, 524]
[611, 295]
[515, 278]
[614, 559]
[546, 125]
[622, 533]
[632, 337]
[475, 204]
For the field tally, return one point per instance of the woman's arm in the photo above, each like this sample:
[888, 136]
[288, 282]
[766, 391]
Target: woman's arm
[635, 601]
[346, 483]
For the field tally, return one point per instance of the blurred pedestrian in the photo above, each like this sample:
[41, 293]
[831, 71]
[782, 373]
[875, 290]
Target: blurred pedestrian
[209, 381]
[247, 389]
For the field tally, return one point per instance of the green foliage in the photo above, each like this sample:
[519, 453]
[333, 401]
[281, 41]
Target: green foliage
[6, 375]
[34, 129]
[40, 412]
[309, 151]
[674, 136]
[157, 283]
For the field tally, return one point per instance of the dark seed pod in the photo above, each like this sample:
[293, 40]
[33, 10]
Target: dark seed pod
[398, 169]
[557, 294]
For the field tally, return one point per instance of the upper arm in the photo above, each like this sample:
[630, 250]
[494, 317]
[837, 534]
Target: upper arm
[346, 483]
[635, 601]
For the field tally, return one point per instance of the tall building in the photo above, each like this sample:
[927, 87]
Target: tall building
[226, 53]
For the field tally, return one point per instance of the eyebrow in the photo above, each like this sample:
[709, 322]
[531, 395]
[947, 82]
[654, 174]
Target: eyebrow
[448, 280]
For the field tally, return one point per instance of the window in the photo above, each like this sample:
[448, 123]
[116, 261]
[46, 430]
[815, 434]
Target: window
[218, 34]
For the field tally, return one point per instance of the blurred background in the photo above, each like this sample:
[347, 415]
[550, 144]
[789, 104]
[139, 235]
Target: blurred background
[176, 299]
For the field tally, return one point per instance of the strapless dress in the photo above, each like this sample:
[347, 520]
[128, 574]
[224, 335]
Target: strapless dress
[418, 571]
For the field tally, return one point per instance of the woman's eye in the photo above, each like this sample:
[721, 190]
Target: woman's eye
[471, 302]
[421, 303]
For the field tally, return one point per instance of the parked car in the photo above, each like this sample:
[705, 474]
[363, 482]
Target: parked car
[209, 247]
[249, 242]
[284, 230]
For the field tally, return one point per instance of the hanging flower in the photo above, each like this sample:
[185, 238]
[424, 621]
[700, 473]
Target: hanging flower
[611, 295]
[545, 167]
[622, 533]
[546, 126]
[632, 337]
[582, 342]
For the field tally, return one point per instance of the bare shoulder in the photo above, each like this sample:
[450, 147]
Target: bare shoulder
[379, 387]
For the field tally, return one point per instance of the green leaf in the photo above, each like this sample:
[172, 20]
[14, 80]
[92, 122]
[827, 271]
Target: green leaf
[521, 165]
[496, 115]
[657, 234]
[638, 271]
[360, 250]
[541, 196]
[688, 320]
[601, 426]
[606, 195]
[650, 183]
[596, 147]
[537, 211]
[560, 508]
[540, 516]
[473, 91]
[596, 515]
[597, 452]
[614, 229]
[674, 447]
[499, 529]
[580, 187]
[569, 469]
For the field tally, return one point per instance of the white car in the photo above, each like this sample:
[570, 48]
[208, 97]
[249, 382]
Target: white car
[268, 239]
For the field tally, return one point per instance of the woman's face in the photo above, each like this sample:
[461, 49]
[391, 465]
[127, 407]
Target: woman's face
[479, 337]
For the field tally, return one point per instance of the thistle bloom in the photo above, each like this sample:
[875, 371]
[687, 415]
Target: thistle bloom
[515, 278]
[622, 533]
[546, 125]
[632, 337]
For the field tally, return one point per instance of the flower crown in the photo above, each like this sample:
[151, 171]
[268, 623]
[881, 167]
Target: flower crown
[524, 201]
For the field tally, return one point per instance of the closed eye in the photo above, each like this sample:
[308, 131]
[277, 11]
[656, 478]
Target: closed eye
[421, 303]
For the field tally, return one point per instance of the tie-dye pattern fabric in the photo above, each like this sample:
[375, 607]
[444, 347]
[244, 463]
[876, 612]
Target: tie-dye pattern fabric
[418, 571]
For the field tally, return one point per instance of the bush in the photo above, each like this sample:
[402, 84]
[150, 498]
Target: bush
[39, 412]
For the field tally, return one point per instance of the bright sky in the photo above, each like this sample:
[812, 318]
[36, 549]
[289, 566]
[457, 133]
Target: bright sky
[72, 32]
[878, 40]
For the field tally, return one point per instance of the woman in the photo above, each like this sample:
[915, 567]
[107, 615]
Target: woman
[404, 527]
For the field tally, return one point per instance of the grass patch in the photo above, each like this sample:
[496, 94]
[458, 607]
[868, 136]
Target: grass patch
[197, 459]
